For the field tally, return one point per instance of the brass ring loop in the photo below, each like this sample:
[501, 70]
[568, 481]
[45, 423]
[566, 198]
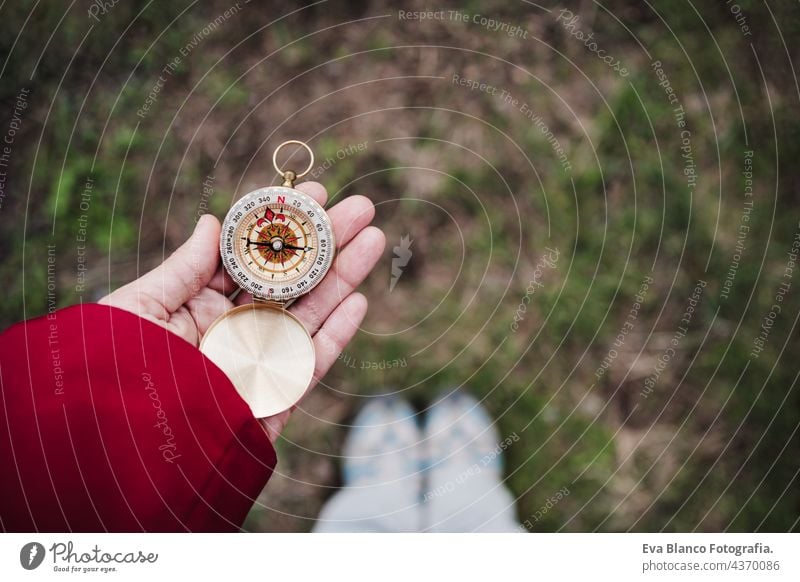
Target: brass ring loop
[293, 142]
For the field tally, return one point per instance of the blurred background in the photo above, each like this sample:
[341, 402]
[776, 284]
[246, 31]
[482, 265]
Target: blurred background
[591, 213]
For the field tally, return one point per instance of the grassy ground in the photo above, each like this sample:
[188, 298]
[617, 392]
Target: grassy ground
[586, 162]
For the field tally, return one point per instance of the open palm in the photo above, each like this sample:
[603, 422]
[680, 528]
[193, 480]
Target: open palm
[190, 289]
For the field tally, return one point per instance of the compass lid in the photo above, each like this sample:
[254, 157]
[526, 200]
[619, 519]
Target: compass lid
[267, 354]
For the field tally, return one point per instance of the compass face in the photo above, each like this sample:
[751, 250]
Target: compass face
[277, 243]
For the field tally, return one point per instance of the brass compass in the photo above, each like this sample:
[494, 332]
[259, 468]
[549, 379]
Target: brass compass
[276, 243]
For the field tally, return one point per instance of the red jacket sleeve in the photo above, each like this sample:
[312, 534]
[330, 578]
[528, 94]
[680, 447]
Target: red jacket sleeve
[109, 422]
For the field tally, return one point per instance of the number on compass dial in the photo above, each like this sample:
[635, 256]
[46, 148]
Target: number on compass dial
[277, 243]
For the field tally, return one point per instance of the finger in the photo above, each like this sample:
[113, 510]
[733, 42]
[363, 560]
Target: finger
[350, 268]
[274, 425]
[315, 190]
[184, 273]
[206, 307]
[336, 332]
[349, 217]
[222, 282]
[329, 342]
[243, 298]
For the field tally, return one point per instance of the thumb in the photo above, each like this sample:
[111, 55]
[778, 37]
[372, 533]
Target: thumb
[188, 269]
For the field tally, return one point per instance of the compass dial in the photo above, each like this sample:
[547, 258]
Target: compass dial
[277, 243]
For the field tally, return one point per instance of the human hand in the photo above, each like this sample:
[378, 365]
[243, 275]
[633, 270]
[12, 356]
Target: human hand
[190, 289]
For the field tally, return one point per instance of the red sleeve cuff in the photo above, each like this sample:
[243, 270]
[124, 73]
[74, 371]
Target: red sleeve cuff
[109, 422]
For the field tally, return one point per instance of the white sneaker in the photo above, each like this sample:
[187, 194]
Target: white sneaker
[464, 489]
[459, 431]
[381, 472]
[383, 444]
